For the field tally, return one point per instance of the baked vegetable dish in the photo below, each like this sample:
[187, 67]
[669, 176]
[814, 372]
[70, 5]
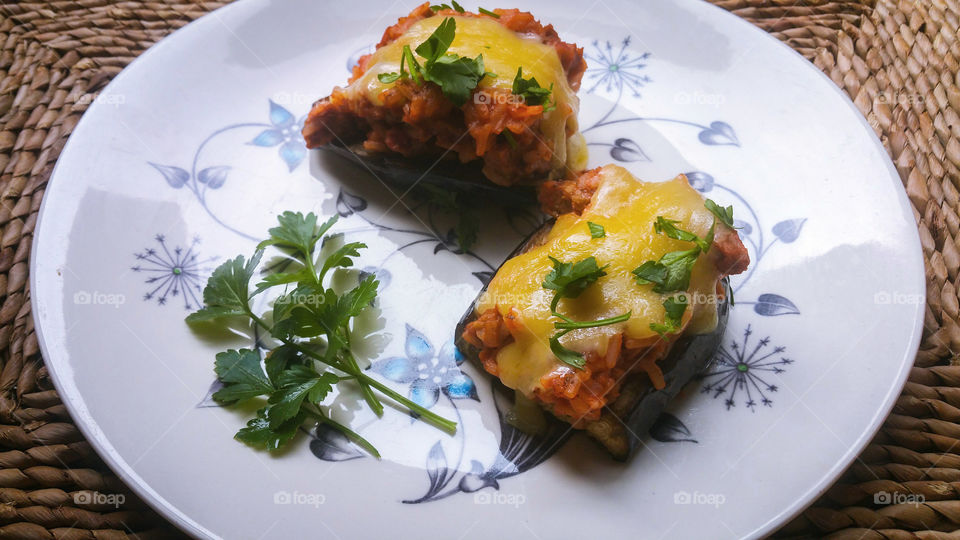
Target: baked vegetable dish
[604, 314]
[495, 89]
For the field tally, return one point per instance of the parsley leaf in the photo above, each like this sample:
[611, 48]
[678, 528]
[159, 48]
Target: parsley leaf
[387, 78]
[277, 361]
[297, 384]
[350, 304]
[671, 273]
[596, 231]
[342, 257]
[439, 41]
[650, 272]
[228, 290]
[297, 232]
[674, 308]
[457, 76]
[530, 90]
[488, 13]
[259, 433]
[669, 228]
[241, 375]
[725, 215]
[439, 7]
[565, 355]
[282, 278]
[569, 280]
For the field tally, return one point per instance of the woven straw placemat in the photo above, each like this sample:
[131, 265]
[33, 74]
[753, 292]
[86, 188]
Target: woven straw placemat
[897, 59]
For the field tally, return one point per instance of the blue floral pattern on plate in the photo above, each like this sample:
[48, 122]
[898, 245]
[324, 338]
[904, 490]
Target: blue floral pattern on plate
[428, 372]
[285, 133]
[173, 273]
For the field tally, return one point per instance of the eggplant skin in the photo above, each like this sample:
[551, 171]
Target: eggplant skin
[624, 423]
[448, 174]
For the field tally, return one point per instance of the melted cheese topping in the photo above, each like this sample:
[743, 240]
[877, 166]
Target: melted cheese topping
[503, 52]
[627, 209]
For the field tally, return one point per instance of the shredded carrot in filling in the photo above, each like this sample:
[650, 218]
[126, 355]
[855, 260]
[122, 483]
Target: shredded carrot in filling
[576, 394]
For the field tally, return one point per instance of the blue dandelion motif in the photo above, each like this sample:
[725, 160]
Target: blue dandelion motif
[742, 373]
[614, 69]
[177, 273]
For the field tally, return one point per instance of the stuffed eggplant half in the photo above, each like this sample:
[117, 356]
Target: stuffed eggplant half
[607, 311]
[495, 90]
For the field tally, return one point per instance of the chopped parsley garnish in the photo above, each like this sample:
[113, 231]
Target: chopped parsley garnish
[671, 273]
[313, 324]
[669, 228]
[725, 215]
[456, 75]
[488, 13]
[531, 91]
[569, 280]
[388, 78]
[673, 316]
[596, 231]
[456, 7]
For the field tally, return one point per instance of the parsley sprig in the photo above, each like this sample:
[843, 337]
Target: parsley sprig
[569, 280]
[456, 75]
[531, 91]
[312, 322]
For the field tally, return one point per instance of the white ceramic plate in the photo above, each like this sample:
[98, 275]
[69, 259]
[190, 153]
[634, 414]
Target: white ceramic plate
[194, 149]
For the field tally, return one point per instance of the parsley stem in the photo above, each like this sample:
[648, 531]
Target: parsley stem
[368, 394]
[362, 378]
[357, 438]
[439, 421]
[573, 325]
[562, 316]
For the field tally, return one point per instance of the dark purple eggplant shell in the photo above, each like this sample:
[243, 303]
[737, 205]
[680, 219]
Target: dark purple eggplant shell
[449, 174]
[624, 423]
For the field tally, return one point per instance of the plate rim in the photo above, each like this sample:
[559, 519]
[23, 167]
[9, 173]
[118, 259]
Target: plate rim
[89, 427]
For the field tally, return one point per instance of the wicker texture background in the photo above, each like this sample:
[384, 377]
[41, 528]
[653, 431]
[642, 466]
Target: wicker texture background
[897, 59]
